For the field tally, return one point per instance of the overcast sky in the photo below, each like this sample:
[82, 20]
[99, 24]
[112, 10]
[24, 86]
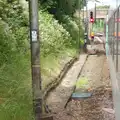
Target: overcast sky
[112, 3]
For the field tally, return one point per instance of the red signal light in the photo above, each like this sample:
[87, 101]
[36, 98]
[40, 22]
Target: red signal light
[117, 20]
[91, 17]
[92, 20]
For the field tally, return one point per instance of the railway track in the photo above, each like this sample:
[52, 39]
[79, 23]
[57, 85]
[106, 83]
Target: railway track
[95, 69]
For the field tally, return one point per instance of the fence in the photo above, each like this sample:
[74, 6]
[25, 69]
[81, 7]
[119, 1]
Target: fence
[112, 32]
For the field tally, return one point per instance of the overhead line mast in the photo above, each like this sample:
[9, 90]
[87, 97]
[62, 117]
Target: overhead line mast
[35, 58]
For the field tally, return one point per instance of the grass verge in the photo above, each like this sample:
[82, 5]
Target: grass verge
[15, 84]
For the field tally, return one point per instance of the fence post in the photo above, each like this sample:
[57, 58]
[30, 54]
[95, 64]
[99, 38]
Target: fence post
[113, 38]
[117, 42]
[107, 36]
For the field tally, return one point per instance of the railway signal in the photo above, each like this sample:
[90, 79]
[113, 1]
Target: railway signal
[95, 13]
[85, 38]
[117, 20]
[91, 17]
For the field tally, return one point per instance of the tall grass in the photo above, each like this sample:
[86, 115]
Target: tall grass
[15, 90]
[98, 26]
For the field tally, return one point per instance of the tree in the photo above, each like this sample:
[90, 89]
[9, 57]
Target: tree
[61, 7]
[103, 7]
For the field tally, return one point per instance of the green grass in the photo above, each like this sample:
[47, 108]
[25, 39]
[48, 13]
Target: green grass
[15, 90]
[15, 84]
[98, 26]
[82, 83]
[53, 64]
[15, 69]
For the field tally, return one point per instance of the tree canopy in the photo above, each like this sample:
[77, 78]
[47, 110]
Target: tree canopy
[62, 7]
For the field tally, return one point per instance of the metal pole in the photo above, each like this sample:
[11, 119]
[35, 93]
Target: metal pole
[86, 10]
[95, 13]
[35, 58]
[86, 30]
[116, 3]
[107, 36]
[79, 28]
[113, 39]
[83, 16]
[117, 42]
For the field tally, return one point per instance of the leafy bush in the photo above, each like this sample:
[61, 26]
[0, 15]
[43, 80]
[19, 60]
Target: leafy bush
[17, 22]
[15, 74]
[73, 27]
[15, 79]
[15, 90]
[54, 38]
[7, 44]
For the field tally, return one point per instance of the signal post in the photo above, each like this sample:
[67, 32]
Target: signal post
[91, 20]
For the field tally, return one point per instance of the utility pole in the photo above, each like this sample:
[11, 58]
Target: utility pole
[86, 10]
[35, 58]
[86, 28]
[79, 28]
[116, 3]
[83, 15]
[35, 62]
[95, 14]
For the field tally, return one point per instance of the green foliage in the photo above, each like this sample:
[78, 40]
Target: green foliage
[62, 7]
[17, 23]
[72, 28]
[80, 26]
[82, 83]
[7, 44]
[98, 26]
[63, 11]
[15, 79]
[15, 90]
[54, 38]
[12, 14]
[103, 7]
[57, 43]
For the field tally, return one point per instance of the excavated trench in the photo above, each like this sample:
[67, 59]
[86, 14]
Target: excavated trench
[97, 107]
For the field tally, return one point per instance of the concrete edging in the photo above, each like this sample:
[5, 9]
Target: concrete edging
[58, 98]
[58, 79]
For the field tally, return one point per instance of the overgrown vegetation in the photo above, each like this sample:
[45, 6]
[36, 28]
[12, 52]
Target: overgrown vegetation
[103, 7]
[99, 26]
[58, 45]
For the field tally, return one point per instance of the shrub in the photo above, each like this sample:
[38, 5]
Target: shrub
[54, 38]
